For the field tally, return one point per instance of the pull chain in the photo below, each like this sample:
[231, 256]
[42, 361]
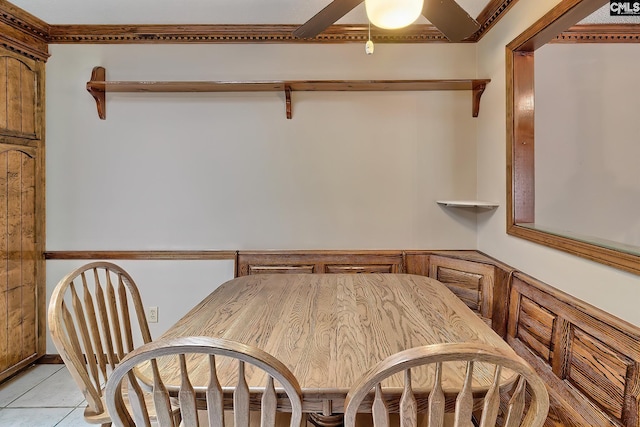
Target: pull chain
[368, 47]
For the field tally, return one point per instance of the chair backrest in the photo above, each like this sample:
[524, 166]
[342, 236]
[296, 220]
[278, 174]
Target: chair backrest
[90, 319]
[191, 354]
[433, 361]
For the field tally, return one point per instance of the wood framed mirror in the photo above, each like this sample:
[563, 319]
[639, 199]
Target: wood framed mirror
[521, 191]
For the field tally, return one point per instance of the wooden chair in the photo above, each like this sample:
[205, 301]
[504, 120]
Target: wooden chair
[196, 357]
[90, 319]
[522, 379]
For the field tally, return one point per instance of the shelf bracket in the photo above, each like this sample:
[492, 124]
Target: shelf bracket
[287, 97]
[98, 74]
[477, 91]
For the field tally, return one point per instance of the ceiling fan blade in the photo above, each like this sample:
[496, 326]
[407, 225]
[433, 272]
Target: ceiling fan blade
[326, 17]
[451, 19]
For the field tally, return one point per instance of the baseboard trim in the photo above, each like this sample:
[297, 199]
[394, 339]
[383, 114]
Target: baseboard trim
[50, 359]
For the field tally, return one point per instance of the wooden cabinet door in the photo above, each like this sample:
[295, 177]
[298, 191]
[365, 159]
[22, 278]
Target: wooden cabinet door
[22, 284]
[19, 331]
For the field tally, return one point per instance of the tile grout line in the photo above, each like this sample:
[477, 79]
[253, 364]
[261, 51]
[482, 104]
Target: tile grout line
[65, 417]
[31, 388]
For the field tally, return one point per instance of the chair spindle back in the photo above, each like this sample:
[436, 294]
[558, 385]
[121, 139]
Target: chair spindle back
[210, 391]
[90, 319]
[439, 355]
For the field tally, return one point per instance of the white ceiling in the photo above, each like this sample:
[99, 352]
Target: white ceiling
[195, 11]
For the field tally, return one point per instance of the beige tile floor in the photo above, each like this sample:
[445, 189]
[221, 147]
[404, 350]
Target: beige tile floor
[41, 396]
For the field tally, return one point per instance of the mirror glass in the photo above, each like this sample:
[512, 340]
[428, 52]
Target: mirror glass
[587, 143]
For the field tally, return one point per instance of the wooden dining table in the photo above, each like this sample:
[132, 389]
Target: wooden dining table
[329, 329]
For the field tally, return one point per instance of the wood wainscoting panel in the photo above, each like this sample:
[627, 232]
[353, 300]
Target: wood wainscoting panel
[470, 281]
[589, 359]
[535, 327]
[280, 269]
[318, 262]
[354, 269]
[599, 372]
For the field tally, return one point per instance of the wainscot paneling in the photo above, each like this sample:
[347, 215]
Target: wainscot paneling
[589, 359]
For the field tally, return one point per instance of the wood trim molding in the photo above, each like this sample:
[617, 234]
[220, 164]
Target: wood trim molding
[600, 33]
[521, 142]
[42, 33]
[239, 33]
[50, 359]
[553, 23]
[490, 15]
[267, 33]
[22, 32]
[142, 255]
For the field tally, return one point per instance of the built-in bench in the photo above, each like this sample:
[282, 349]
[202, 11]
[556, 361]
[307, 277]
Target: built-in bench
[589, 359]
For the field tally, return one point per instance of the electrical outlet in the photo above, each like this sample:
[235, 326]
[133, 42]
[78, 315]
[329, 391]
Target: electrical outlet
[152, 314]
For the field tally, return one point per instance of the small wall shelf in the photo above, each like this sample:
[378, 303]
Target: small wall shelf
[468, 204]
[98, 86]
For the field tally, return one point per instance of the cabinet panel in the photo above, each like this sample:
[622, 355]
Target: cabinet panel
[18, 97]
[18, 310]
[22, 201]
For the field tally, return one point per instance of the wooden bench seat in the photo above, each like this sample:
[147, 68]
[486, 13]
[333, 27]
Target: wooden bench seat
[589, 359]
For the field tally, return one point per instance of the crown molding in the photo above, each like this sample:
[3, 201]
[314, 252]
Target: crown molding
[29, 35]
[22, 32]
[600, 33]
[275, 33]
[238, 33]
[490, 15]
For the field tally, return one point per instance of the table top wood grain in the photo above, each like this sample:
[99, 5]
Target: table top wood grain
[329, 329]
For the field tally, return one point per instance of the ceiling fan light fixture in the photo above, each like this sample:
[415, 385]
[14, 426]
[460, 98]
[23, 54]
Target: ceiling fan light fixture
[392, 14]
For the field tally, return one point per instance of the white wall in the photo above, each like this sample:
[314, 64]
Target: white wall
[173, 286]
[612, 290]
[587, 151]
[229, 171]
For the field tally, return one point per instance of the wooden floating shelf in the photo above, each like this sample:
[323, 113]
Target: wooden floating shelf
[468, 204]
[98, 87]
